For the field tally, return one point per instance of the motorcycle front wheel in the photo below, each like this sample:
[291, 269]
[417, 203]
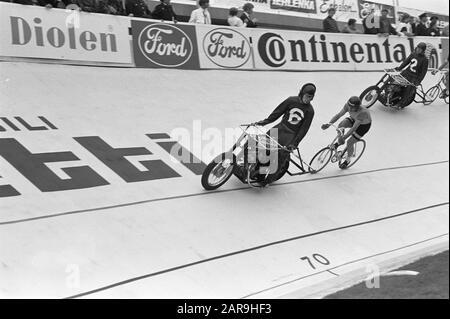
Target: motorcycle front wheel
[218, 172]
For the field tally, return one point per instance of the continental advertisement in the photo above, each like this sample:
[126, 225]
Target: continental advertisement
[36, 32]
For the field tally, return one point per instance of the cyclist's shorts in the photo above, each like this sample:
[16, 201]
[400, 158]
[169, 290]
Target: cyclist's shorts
[361, 130]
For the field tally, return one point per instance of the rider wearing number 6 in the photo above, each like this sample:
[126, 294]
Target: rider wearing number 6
[359, 123]
[297, 113]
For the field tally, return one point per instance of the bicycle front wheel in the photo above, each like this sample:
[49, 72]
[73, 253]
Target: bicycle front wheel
[359, 148]
[320, 160]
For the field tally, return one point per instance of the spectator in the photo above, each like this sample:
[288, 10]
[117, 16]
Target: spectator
[386, 27]
[421, 29]
[50, 3]
[86, 5]
[60, 4]
[445, 31]
[72, 5]
[404, 27]
[137, 8]
[164, 11]
[234, 20]
[414, 21]
[433, 29]
[246, 16]
[201, 15]
[114, 7]
[350, 27]
[329, 24]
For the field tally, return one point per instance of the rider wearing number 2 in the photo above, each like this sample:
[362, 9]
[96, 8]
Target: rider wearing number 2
[414, 69]
[415, 66]
[359, 123]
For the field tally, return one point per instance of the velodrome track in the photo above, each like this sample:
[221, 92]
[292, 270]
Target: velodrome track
[168, 238]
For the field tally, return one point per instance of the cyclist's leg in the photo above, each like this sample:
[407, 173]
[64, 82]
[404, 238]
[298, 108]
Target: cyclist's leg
[345, 123]
[351, 147]
[356, 136]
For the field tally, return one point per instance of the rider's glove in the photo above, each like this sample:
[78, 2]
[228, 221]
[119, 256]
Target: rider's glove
[325, 126]
[341, 140]
[291, 147]
[260, 123]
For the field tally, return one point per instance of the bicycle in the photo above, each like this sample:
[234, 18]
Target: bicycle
[437, 90]
[331, 153]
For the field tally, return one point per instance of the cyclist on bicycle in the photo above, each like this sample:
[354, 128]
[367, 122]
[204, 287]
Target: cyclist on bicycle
[443, 66]
[359, 123]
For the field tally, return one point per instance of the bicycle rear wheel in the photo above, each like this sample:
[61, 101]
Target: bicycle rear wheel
[431, 95]
[359, 148]
[320, 160]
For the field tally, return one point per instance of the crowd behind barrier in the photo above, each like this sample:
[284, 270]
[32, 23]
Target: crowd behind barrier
[75, 37]
[374, 23]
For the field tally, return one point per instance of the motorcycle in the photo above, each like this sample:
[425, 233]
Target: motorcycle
[393, 90]
[251, 159]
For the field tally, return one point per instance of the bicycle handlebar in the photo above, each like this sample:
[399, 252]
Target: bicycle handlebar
[338, 129]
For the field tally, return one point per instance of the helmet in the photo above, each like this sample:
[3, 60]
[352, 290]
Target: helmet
[423, 46]
[354, 101]
[308, 88]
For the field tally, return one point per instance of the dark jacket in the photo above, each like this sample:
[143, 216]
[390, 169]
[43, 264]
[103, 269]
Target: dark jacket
[164, 12]
[297, 118]
[114, 7]
[246, 19]
[138, 8]
[386, 26]
[330, 25]
[86, 5]
[417, 67]
[422, 30]
[413, 27]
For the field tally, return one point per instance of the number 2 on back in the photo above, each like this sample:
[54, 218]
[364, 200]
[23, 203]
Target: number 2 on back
[413, 65]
